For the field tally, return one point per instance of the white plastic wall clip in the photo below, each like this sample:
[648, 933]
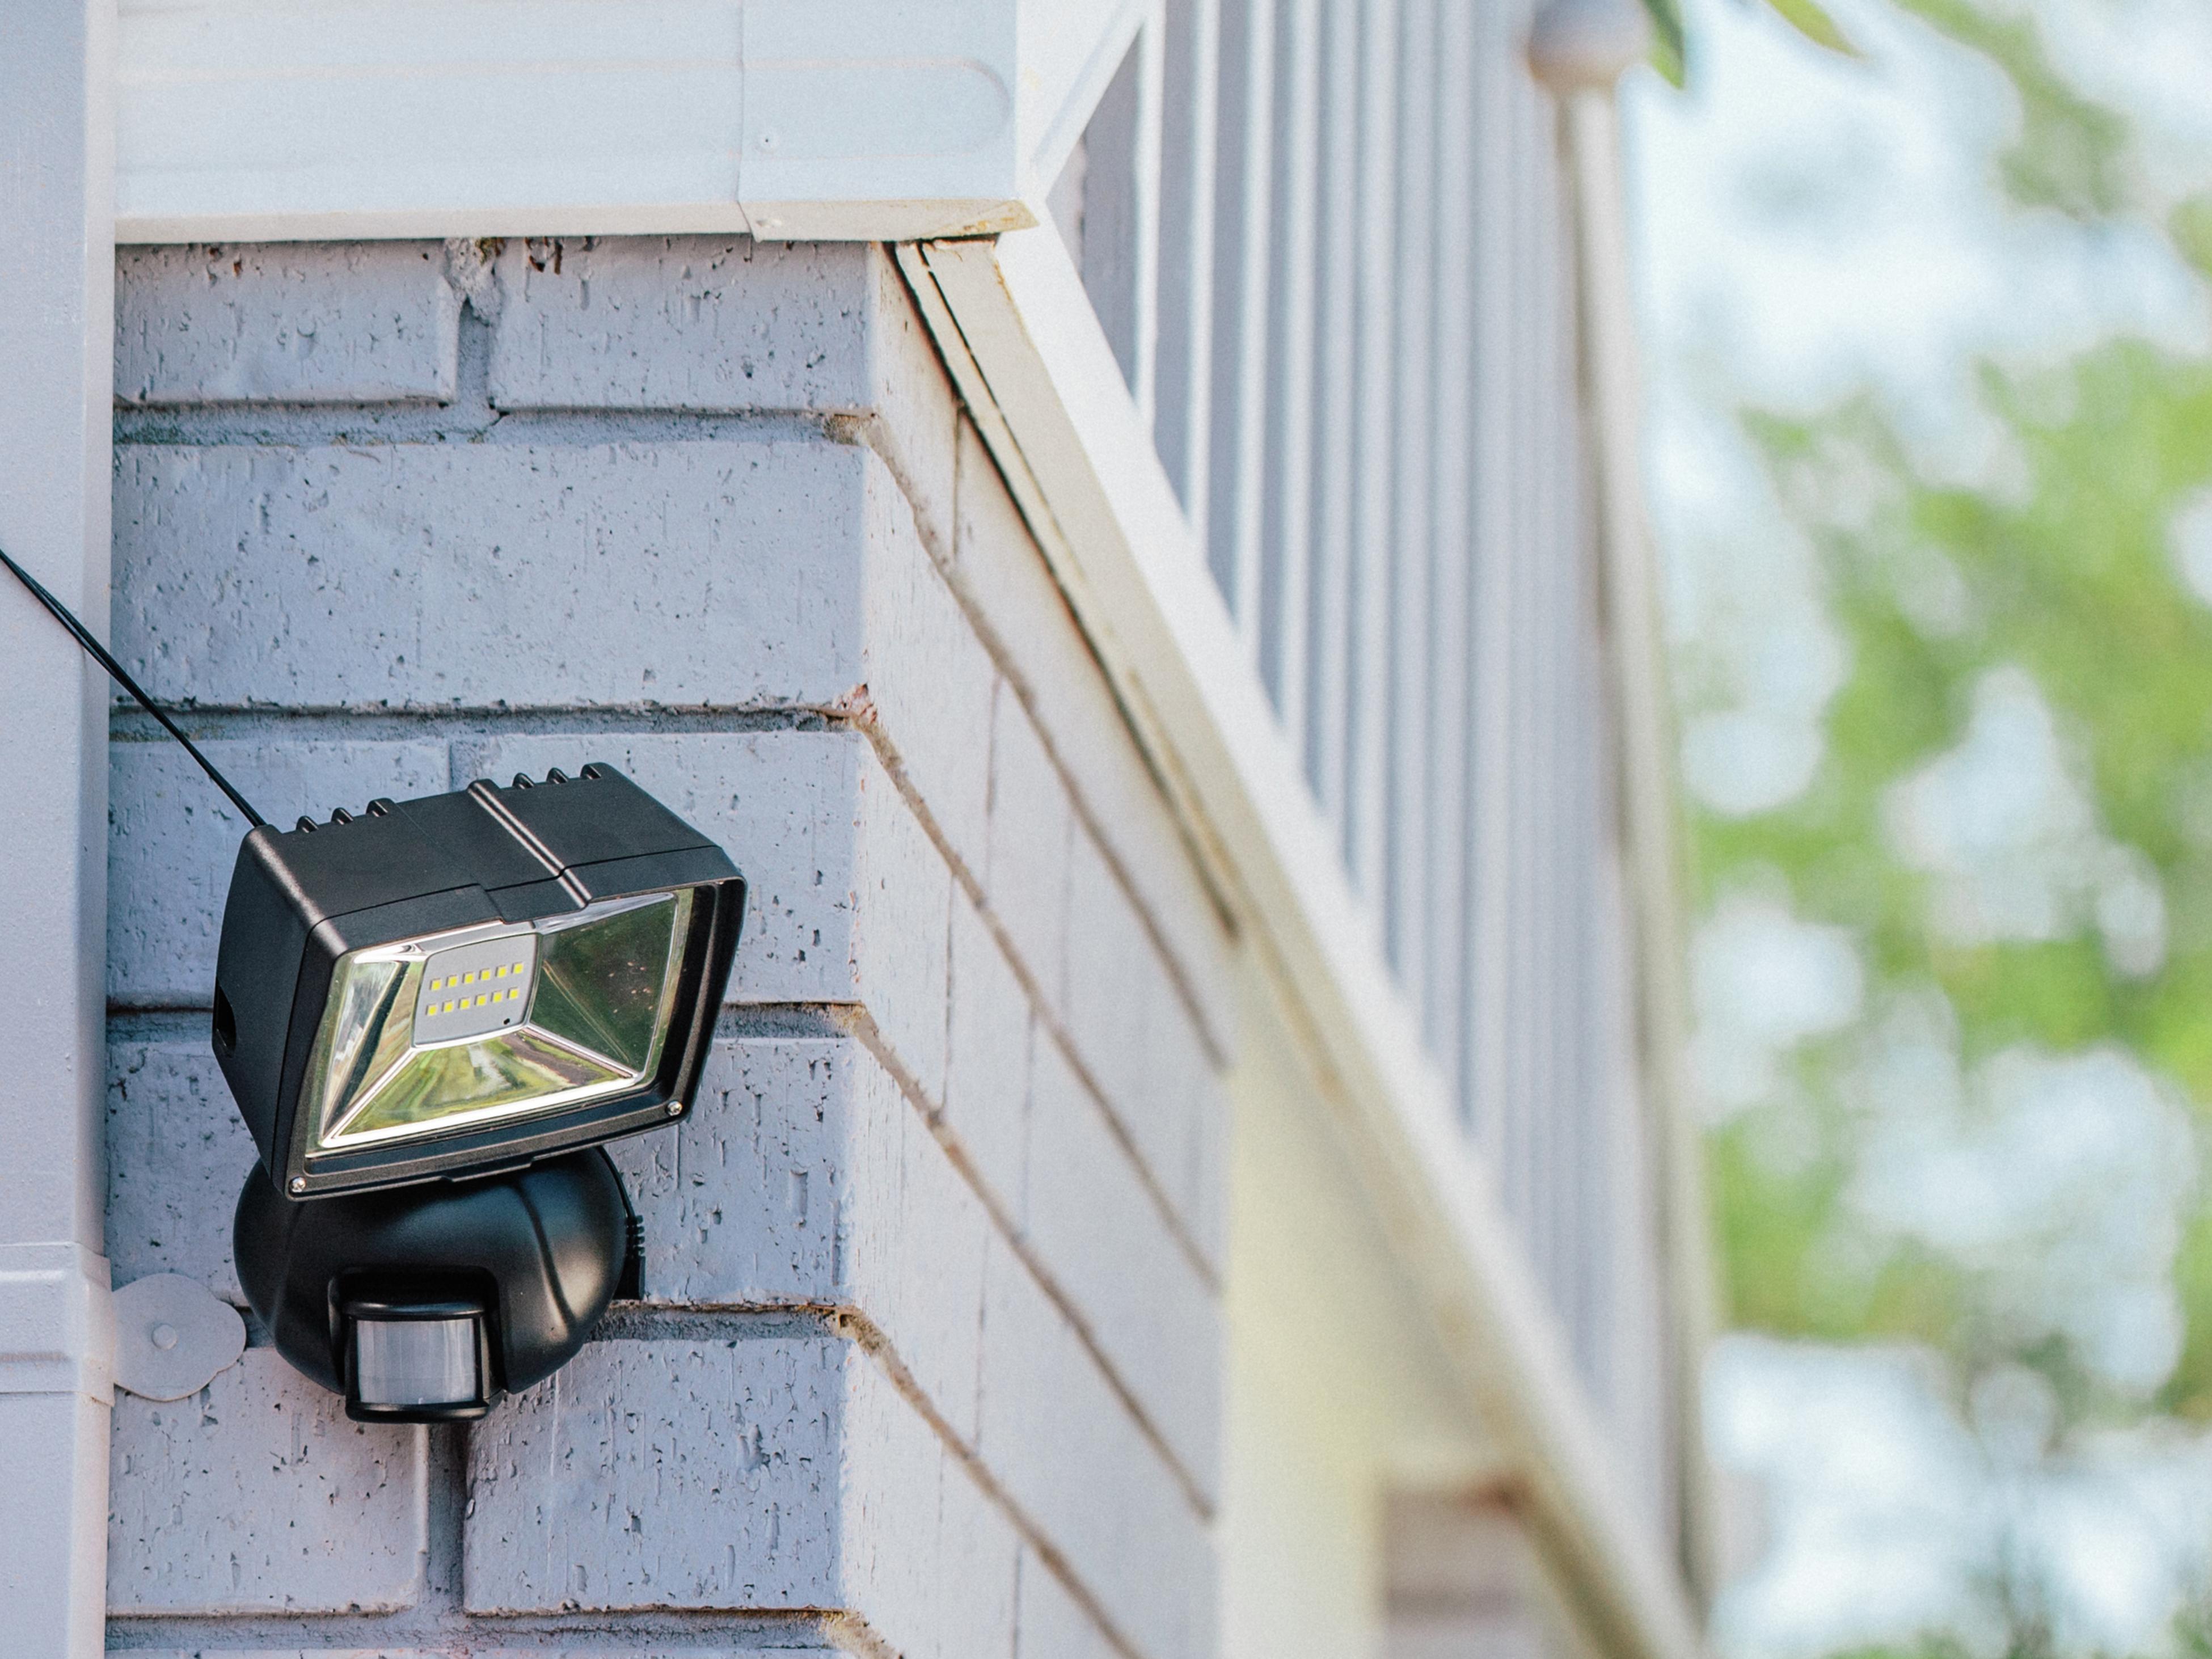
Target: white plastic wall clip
[172, 1336]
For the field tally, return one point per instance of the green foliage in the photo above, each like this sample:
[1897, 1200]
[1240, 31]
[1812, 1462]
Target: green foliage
[2072, 581]
[2069, 574]
[2071, 153]
[2190, 225]
[1812, 22]
[1669, 45]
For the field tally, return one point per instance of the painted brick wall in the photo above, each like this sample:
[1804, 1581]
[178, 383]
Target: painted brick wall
[928, 1359]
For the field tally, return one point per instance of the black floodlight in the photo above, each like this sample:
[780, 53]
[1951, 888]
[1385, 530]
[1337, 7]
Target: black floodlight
[432, 1016]
[470, 981]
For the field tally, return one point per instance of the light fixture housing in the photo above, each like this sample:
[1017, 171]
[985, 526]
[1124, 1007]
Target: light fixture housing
[430, 1303]
[469, 983]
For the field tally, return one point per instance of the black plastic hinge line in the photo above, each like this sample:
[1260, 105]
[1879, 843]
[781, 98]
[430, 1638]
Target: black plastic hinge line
[485, 793]
[98, 652]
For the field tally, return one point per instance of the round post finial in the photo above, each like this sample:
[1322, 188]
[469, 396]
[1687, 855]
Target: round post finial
[1581, 45]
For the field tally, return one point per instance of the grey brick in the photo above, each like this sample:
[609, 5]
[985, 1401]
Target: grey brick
[803, 1177]
[286, 322]
[423, 575]
[901, 921]
[915, 1239]
[1135, 1032]
[930, 682]
[710, 324]
[1192, 1113]
[663, 1474]
[177, 1154]
[1209, 1114]
[784, 804]
[695, 322]
[1051, 1622]
[744, 1201]
[987, 1062]
[763, 1475]
[172, 840]
[917, 415]
[1005, 583]
[1111, 968]
[1106, 1244]
[256, 1495]
[1025, 870]
[930, 1560]
[1078, 1464]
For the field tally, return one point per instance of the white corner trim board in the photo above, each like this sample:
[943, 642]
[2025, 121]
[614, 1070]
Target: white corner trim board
[57, 419]
[863, 119]
[56, 1332]
[1020, 337]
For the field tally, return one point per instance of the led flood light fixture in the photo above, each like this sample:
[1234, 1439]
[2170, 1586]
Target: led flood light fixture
[432, 1017]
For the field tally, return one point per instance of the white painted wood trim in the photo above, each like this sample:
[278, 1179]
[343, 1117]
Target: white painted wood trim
[1038, 376]
[864, 120]
[56, 338]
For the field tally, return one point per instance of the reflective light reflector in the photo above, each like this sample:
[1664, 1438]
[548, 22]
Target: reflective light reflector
[432, 1033]
[469, 981]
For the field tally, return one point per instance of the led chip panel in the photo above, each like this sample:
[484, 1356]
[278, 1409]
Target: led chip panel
[474, 989]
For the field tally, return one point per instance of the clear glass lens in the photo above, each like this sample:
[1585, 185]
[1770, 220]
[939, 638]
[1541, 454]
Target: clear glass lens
[600, 989]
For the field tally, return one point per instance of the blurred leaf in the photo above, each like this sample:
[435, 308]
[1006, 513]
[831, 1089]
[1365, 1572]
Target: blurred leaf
[2190, 224]
[1807, 17]
[2071, 153]
[1669, 53]
[2188, 1392]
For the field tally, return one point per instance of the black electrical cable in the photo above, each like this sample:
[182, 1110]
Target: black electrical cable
[99, 654]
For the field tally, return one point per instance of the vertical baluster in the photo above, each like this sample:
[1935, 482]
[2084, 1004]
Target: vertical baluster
[1547, 462]
[1374, 546]
[1412, 664]
[1335, 411]
[1450, 510]
[1490, 1010]
[1182, 383]
[1241, 283]
[1146, 146]
[1288, 522]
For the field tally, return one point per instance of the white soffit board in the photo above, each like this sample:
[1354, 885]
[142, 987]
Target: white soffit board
[798, 120]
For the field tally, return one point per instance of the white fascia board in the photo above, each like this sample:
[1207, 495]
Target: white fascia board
[1069, 52]
[1017, 333]
[796, 119]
